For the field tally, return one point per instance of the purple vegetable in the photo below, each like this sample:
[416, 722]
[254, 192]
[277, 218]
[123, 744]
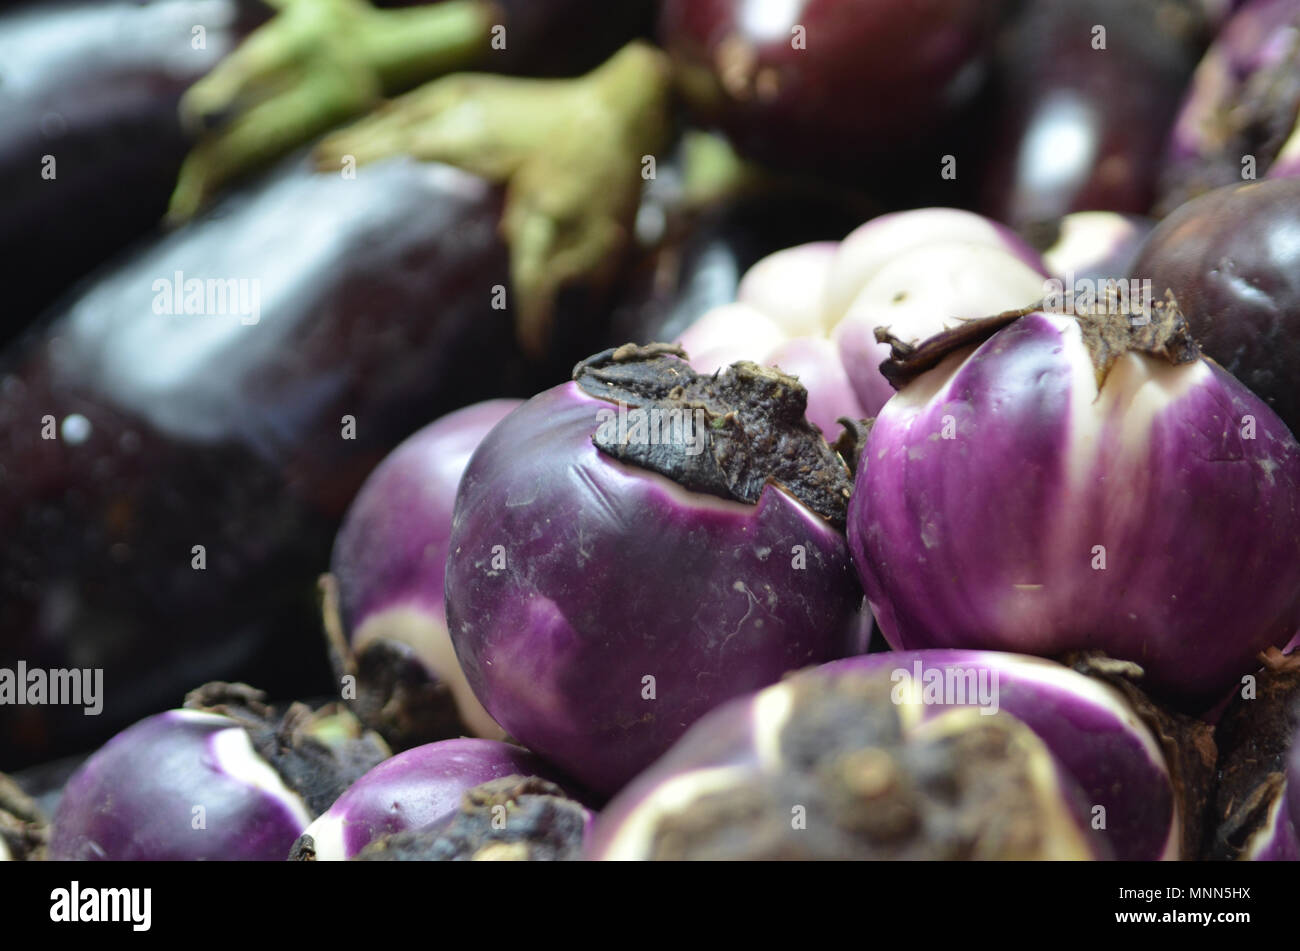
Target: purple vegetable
[90, 138]
[833, 763]
[913, 273]
[612, 580]
[777, 321]
[1089, 726]
[1038, 488]
[813, 310]
[388, 566]
[786, 81]
[1087, 93]
[231, 782]
[518, 818]
[1241, 108]
[409, 791]
[1231, 260]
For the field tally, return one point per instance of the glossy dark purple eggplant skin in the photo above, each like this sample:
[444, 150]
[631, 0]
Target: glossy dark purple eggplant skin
[566, 37]
[232, 440]
[1232, 259]
[1083, 129]
[874, 77]
[95, 85]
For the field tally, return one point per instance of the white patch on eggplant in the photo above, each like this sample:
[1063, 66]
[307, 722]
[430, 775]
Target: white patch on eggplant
[236, 757]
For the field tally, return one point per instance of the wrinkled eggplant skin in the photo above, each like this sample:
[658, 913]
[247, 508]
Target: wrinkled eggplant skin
[96, 86]
[1232, 261]
[874, 76]
[1079, 128]
[195, 438]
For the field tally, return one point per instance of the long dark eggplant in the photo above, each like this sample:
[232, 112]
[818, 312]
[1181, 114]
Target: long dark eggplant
[1088, 91]
[229, 387]
[95, 87]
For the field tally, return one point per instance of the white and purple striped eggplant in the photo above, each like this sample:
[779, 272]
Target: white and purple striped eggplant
[513, 819]
[226, 781]
[633, 548]
[411, 790]
[1045, 483]
[384, 596]
[854, 759]
[813, 310]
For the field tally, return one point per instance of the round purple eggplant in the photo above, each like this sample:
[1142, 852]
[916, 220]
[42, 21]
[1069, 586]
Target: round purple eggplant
[410, 791]
[633, 548]
[1230, 259]
[228, 782]
[1040, 480]
[838, 763]
[387, 572]
[514, 819]
[785, 81]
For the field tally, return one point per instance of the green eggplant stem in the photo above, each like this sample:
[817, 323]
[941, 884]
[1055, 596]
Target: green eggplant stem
[315, 64]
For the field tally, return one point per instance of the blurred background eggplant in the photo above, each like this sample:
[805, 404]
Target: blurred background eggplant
[354, 312]
[1086, 92]
[1238, 119]
[95, 86]
[828, 85]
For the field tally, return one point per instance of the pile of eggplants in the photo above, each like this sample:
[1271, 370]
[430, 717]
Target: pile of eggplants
[829, 535]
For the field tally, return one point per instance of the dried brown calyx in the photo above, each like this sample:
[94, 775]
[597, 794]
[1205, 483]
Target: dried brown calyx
[857, 782]
[515, 818]
[1111, 327]
[318, 753]
[727, 434]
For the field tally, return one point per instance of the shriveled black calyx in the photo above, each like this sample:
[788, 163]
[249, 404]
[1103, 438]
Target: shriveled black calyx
[395, 693]
[1111, 327]
[855, 783]
[1253, 736]
[1187, 743]
[515, 818]
[24, 830]
[727, 434]
[318, 753]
